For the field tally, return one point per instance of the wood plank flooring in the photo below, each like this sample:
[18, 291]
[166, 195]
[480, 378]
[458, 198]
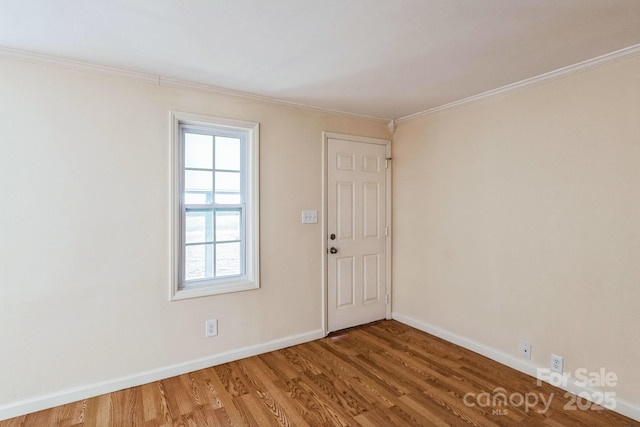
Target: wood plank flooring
[381, 374]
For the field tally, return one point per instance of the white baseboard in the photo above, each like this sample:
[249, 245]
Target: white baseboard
[38, 403]
[623, 407]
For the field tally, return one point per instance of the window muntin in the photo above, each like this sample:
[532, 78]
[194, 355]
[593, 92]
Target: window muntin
[216, 173]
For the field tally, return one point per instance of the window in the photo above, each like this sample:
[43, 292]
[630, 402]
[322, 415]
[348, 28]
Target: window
[215, 233]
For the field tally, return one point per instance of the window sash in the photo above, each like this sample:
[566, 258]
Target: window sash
[214, 132]
[214, 277]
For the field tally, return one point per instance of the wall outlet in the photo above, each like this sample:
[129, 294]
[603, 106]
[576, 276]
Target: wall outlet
[556, 363]
[211, 328]
[525, 350]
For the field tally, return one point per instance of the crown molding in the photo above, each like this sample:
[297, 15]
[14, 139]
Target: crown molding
[186, 84]
[39, 58]
[589, 64]
[159, 80]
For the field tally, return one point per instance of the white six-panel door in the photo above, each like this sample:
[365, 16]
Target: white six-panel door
[356, 221]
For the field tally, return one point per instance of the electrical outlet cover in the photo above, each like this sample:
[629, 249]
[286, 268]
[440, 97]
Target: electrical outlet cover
[211, 328]
[556, 363]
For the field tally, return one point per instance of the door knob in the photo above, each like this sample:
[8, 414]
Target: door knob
[332, 237]
[333, 250]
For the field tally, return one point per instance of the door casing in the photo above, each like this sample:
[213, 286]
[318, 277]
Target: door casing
[325, 206]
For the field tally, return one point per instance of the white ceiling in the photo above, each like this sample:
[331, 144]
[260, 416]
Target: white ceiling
[380, 58]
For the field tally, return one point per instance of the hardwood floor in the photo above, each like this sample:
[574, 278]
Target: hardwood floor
[381, 374]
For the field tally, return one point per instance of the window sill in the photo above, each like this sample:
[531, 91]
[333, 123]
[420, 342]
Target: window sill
[215, 289]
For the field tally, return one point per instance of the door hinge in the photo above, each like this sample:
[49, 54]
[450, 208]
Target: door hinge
[386, 162]
[386, 231]
[386, 299]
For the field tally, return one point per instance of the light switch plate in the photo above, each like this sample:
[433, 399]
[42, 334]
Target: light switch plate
[309, 217]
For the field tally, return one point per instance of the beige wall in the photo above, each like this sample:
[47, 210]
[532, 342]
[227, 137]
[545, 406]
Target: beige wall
[85, 227]
[518, 218]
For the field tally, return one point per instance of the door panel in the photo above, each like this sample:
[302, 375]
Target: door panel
[345, 210]
[371, 278]
[356, 193]
[344, 281]
[371, 209]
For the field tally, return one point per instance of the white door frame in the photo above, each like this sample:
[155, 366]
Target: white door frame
[325, 207]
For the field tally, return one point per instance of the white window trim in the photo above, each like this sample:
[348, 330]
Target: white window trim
[252, 232]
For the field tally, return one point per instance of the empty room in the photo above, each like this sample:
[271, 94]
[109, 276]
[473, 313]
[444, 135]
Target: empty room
[309, 213]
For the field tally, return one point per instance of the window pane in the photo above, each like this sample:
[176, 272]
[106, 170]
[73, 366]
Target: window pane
[227, 225]
[227, 183]
[198, 180]
[198, 185]
[228, 259]
[198, 151]
[227, 153]
[199, 227]
[198, 262]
